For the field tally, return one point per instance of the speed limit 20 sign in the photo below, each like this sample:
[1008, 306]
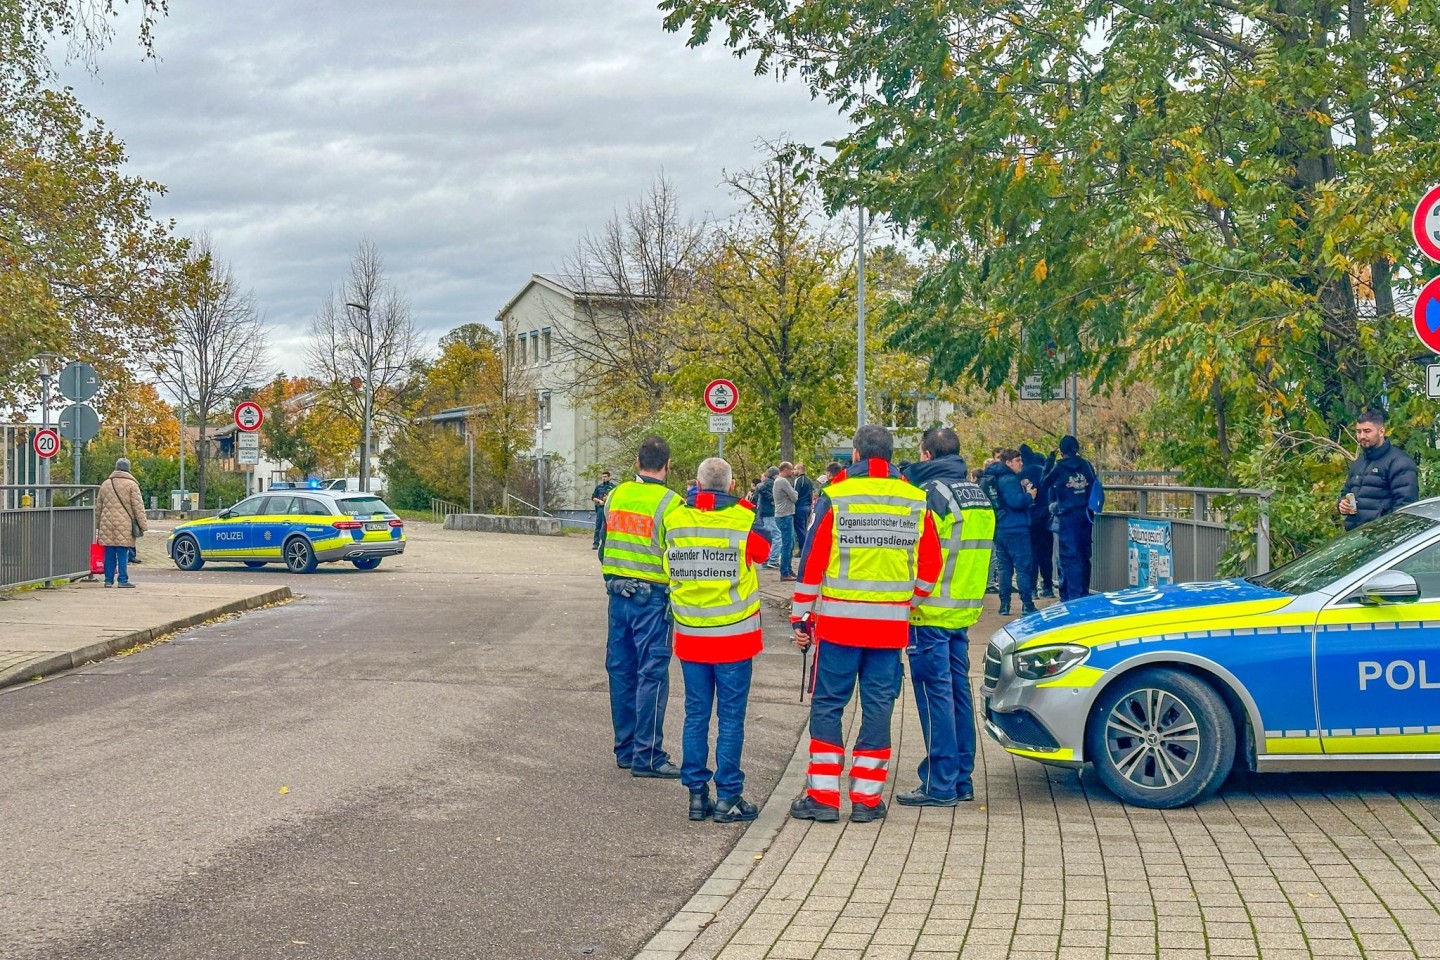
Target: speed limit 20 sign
[46, 443]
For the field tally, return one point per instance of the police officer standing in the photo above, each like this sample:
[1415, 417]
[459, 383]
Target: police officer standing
[939, 650]
[597, 497]
[1068, 486]
[637, 650]
[872, 548]
[711, 553]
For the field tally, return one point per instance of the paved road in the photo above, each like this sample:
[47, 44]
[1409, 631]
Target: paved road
[413, 762]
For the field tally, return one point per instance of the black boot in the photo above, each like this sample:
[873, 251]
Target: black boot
[1005, 609]
[860, 813]
[732, 809]
[701, 806]
[804, 807]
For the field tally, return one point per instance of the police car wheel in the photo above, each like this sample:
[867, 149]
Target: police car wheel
[186, 553]
[366, 563]
[1161, 739]
[299, 555]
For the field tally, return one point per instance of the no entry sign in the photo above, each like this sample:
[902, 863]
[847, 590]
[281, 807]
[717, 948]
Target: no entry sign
[1425, 224]
[249, 416]
[721, 396]
[1427, 315]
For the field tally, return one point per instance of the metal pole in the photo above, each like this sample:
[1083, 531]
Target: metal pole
[45, 375]
[470, 445]
[720, 445]
[184, 496]
[540, 463]
[1262, 538]
[1074, 405]
[860, 326]
[365, 454]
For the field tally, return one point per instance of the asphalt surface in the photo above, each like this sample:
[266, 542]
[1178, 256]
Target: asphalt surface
[410, 762]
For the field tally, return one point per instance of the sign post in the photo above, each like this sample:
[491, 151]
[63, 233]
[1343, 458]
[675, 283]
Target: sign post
[722, 398]
[248, 417]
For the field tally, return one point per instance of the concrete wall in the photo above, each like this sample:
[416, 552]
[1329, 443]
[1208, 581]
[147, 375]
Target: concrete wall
[488, 523]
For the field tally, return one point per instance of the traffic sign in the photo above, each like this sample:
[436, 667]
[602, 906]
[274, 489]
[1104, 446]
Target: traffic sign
[1425, 224]
[1427, 315]
[79, 381]
[46, 443]
[79, 423]
[247, 456]
[1432, 381]
[249, 416]
[722, 423]
[721, 396]
[247, 441]
[1033, 388]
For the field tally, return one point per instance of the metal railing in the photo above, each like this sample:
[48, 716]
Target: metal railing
[538, 512]
[1201, 524]
[440, 509]
[41, 544]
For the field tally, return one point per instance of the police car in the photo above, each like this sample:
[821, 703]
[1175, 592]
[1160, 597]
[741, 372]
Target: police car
[1331, 662]
[299, 528]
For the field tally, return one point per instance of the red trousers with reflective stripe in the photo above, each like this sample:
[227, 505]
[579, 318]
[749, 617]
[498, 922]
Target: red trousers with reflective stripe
[868, 771]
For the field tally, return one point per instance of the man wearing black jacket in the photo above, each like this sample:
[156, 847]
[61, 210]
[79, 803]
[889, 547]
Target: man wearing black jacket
[1042, 542]
[1381, 480]
[1067, 489]
[1012, 530]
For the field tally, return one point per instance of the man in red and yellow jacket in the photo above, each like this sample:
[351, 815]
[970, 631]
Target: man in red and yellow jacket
[872, 549]
[710, 557]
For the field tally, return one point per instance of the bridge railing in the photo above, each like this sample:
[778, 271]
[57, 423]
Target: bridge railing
[39, 544]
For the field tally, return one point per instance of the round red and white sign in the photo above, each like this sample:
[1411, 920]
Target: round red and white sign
[1427, 315]
[721, 396]
[249, 416]
[1425, 224]
[46, 443]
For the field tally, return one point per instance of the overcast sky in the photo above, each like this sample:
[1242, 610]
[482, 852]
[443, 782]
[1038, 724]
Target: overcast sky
[473, 141]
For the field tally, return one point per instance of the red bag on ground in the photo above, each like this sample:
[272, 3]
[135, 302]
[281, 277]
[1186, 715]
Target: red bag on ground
[97, 559]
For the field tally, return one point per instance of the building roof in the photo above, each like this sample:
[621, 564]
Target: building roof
[570, 285]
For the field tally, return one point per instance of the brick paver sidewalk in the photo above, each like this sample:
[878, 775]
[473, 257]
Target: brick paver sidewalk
[1047, 864]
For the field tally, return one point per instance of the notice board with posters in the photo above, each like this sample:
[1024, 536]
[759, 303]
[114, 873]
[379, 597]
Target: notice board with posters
[1151, 556]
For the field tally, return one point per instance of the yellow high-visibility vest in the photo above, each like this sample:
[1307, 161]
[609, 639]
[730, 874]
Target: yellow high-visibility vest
[635, 517]
[712, 585]
[878, 521]
[966, 525]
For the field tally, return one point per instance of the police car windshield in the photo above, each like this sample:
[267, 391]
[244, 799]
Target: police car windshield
[1325, 565]
[361, 506]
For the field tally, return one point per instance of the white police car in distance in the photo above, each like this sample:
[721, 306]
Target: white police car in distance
[1331, 662]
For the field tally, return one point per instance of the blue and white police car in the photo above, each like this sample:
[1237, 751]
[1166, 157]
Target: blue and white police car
[299, 528]
[1331, 662]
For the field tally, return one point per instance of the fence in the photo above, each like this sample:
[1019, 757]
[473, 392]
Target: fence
[1201, 525]
[40, 544]
[440, 509]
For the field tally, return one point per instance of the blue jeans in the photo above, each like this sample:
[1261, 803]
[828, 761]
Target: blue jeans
[724, 688]
[117, 562]
[940, 670]
[1075, 542]
[1014, 560]
[637, 657]
[787, 546]
[837, 668]
[772, 530]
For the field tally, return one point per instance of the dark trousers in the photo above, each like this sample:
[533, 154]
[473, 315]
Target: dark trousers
[940, 669]
[1014, 560]
[1042, 548]
[802, 525]
[725, 689]
[599, 525]
[786, 546]
[837, 670]
[117, 564]
[1075, 543]
[637, 657]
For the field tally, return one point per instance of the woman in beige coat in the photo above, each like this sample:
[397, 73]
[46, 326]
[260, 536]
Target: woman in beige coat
[119, 506]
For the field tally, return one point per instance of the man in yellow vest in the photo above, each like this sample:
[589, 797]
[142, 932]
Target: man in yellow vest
[871, 550]
[637, 651]
[710, 554]
[939, 650]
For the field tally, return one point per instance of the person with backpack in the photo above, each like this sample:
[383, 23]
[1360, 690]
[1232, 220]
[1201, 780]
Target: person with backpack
[1074, 495]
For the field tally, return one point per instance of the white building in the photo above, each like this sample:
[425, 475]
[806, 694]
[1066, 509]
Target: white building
[571, 432]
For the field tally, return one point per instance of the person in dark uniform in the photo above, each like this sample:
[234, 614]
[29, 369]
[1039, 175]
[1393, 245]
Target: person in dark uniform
[1042, 541]
[1067, 490]
[597, 497]
[805, 502]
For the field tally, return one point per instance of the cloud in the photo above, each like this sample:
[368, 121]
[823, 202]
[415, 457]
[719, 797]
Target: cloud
[473, 142]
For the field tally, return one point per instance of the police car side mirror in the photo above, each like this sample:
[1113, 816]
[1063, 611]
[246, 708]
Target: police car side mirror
[224, 514]
[1392, 586]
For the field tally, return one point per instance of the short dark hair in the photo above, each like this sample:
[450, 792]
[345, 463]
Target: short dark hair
[940, 442]
[833, 468]
[874, 442]
[1376, 417]
[654, 453]
[1006, 455]
[604, 473]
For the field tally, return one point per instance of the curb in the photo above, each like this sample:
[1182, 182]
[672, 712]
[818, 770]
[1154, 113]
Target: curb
[68, 660]
[682, 930]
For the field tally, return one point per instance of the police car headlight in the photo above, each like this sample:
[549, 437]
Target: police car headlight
[1046, 662]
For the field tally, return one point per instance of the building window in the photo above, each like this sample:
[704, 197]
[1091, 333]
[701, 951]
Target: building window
[545, 344]
[520, 339]
[545, 409]
[535, 347]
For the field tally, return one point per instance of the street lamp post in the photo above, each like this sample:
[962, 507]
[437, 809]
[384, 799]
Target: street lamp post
[47, 372]
[540, 462]
[179, 356]
[860, 325]
[369, 391]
